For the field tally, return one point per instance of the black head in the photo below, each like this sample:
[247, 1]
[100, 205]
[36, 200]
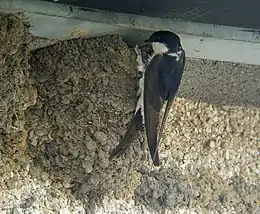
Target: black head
[170, 39]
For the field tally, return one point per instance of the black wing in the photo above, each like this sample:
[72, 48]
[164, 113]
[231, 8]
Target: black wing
[175, 75]
[161, 83]
[152, 105]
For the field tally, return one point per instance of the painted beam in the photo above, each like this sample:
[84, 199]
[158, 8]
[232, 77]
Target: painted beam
[239, 13]
[205, 41]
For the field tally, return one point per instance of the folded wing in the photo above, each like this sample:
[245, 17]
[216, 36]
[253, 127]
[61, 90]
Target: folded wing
[152, 105]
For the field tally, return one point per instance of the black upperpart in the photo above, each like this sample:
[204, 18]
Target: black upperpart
[170, 39]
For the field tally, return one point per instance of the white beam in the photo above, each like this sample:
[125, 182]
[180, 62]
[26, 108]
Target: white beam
[206, 41]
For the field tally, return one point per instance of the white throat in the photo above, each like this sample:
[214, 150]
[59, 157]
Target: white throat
[159, 48]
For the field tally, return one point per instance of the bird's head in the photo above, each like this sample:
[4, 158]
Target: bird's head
[164, 41]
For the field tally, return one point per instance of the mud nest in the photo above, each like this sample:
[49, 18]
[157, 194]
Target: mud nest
[86, 97]
[16, 91]
[65, 107]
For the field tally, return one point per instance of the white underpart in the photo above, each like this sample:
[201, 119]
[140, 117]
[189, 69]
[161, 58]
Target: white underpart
[140, 93]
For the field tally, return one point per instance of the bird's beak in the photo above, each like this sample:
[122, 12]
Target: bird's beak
[147, 41]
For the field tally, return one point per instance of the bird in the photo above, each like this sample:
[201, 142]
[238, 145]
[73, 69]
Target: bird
[161, 77]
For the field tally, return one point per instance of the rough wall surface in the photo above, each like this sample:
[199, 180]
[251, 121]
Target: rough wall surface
[210, 160]
[65, 106]
[86, 95]
[16, 90]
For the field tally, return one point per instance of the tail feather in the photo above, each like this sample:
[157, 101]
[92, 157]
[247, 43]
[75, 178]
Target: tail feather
[155, 156]
[129, 137]
[165, 115]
